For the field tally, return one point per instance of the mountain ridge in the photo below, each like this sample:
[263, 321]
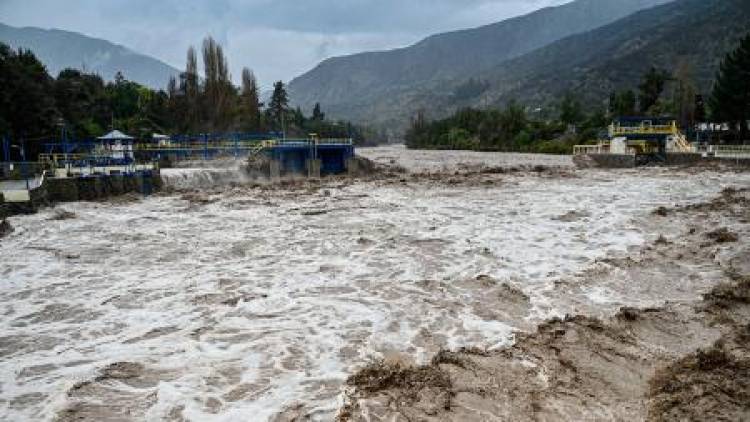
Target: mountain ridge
[446, 56]
[696, 33]
[59, 49]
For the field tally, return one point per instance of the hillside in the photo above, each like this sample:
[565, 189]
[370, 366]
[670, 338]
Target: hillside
[62, 49]
[347, 86]
[696, 33]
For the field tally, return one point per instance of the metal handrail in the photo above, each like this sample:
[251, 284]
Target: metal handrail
[729, 151]
[670, 129]
[334, 141]
[590, 149]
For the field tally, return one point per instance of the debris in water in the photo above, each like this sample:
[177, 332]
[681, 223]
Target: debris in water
[572, 216]
[708, 384]
[5, 228]
[661, 240]
[661, 211]
[63, 214]
[722, 235]
[314, 212]
[409, 383]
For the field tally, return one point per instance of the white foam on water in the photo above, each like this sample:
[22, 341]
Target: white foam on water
[201, 178]
[257, 295]
[437, 160]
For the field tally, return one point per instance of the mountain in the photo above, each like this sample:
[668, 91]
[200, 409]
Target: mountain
[688, 34]
[692, 34]
[349, 86]
[62, 49]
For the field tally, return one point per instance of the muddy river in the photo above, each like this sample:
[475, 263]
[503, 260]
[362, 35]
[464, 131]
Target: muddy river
[251, 303]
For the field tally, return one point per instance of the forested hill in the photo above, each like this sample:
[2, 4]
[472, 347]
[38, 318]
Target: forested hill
[350, 83]
[62, 49]
[688, 36]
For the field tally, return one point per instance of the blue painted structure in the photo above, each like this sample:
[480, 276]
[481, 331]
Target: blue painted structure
[292, 154]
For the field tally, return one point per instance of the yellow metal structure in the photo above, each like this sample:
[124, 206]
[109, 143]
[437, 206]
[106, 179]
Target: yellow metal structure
[591, 149]
[677, 142]
[644, 128]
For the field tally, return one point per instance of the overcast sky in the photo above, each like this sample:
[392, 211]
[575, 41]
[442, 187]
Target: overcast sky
[278, 39]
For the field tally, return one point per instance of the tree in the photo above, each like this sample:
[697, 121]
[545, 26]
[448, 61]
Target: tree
[700, 109]
[513, 119]
[730, 99]
[417, 135]
[124, 96]
[571, 112]
[317, 114]
[503, 129]
[191, 90]
[651, 88]
[27, 106]
[279, 105]
[622, 103]
[250, 102]
[83, 103]
[218, 90]
[684, 95]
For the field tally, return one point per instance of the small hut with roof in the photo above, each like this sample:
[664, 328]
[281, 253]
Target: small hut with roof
[116, 145]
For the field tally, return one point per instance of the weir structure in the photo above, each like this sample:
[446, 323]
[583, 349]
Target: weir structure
[69, 170]
[313, 156]
[125, 155]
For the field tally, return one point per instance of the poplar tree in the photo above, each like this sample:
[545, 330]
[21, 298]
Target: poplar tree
[317, 114]
[192, 89]
[218, 89]
[249, 102]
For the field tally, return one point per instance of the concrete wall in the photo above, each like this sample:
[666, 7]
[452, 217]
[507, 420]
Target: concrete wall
[688, 159]
[613, 161]
[37, 198]
[90, 188]
[313, 168]
[82, 189]
[4, 210]
[274, 170]
[682, 158]
[352, 166]
[739, 162]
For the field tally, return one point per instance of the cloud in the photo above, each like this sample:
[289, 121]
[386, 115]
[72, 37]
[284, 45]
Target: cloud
[278, 39]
